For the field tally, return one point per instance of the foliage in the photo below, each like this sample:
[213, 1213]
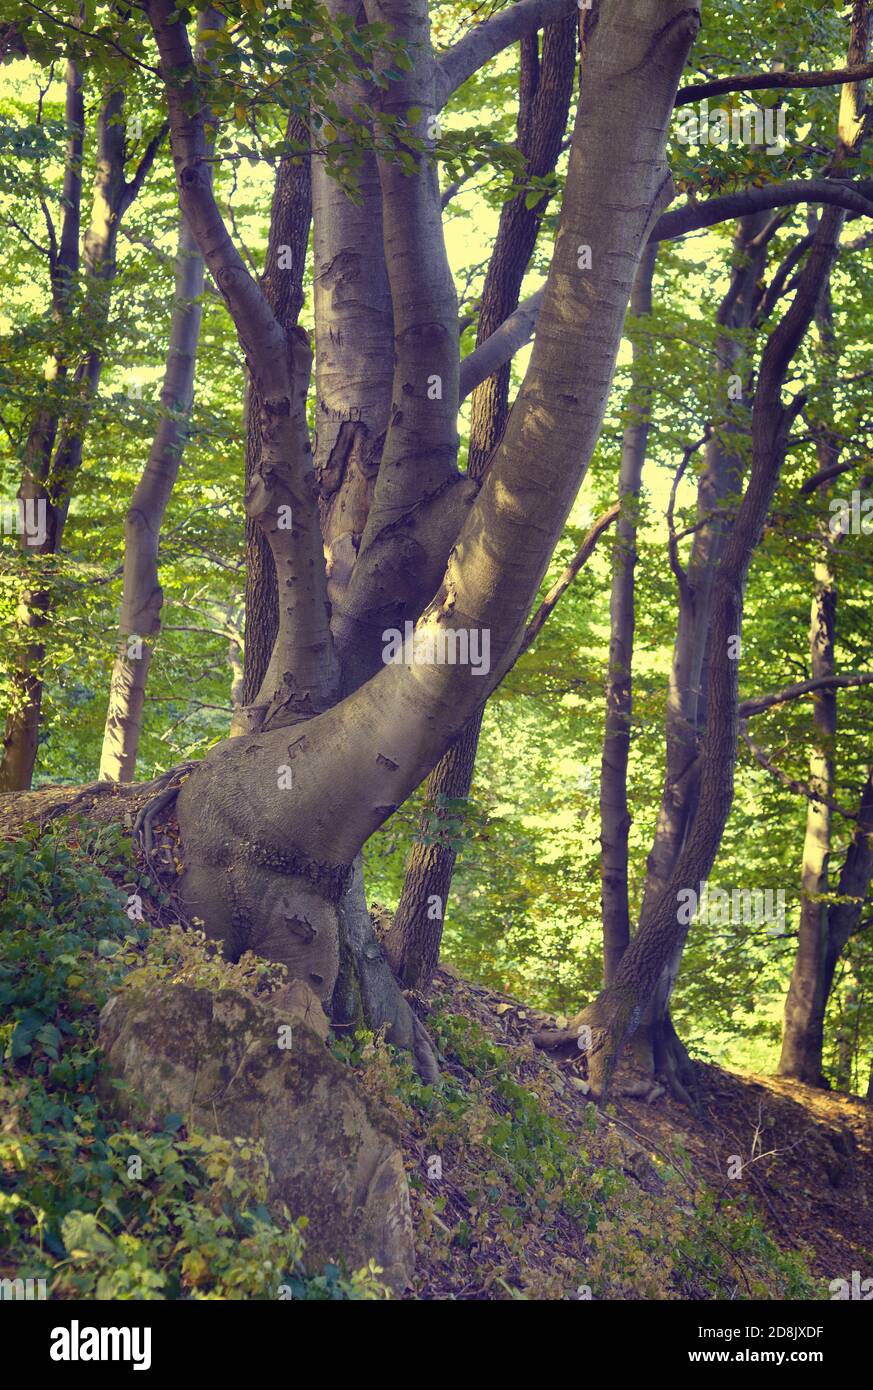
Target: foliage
[527, 1206]
[98, 1209]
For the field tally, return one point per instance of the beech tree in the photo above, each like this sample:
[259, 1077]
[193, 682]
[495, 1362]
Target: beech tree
[362, 524]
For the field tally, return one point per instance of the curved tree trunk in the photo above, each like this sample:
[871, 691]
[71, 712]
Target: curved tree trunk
[545, 87]
[272, 822]
[616, 1016]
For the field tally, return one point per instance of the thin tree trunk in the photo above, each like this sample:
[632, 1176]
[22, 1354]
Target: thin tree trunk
[656, 1043]
[53, 486]
[617, 1013]
[803, 1028]
[615, 817]
[22, 723]
[282, 286]
[142, 597]
[803, 1025]
[824, 930]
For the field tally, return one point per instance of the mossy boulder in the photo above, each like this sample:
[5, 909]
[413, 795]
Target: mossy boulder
[237, 1064]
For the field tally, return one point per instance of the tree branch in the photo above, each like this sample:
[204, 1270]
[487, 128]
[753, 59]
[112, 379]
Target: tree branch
[519, 328]
[694, 216]
[561, 585]
[483, 42]
[755, 81]
[759, 703]
[801, 788]
[501, 347]
[88, 34]
[133, 186]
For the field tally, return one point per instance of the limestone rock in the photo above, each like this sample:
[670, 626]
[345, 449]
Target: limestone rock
[214, 1057]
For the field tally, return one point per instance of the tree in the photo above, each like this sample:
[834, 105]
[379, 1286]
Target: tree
[377, 567]
[286, 885]
[53, 453]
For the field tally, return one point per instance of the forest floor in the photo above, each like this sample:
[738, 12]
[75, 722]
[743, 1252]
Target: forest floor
[805, 1156]
[520, 1188]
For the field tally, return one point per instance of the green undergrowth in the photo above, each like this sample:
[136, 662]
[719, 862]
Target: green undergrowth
[523, 1204]
[515, 1194]
[98, 1209]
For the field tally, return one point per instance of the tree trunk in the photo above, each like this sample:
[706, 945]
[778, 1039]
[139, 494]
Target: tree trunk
[272, 822]
[824, 931]
[616, 1015]
[657, 1046]
[546, 82]
[803, 1029]
[53, 487]
[412, 942]
[615, 817]
[22, 723]
[282, 286]
[142, 597]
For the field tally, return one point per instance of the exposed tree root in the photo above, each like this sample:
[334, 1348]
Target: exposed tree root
[166, 789]
[642, 1061]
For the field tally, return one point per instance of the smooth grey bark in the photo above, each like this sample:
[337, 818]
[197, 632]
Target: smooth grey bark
[517, 330]
[354, 348]
[282, 287]
[485, 40]
[419, 496]
[268, 870]
[545, 88]
[142, 597]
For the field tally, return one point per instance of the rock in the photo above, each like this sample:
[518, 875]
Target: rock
[238, 1065]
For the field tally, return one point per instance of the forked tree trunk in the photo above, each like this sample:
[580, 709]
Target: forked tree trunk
[616, 1016]
[657, 1046]
[272, 822]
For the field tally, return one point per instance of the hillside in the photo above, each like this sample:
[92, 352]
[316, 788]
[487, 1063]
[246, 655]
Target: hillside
[520, 1188]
